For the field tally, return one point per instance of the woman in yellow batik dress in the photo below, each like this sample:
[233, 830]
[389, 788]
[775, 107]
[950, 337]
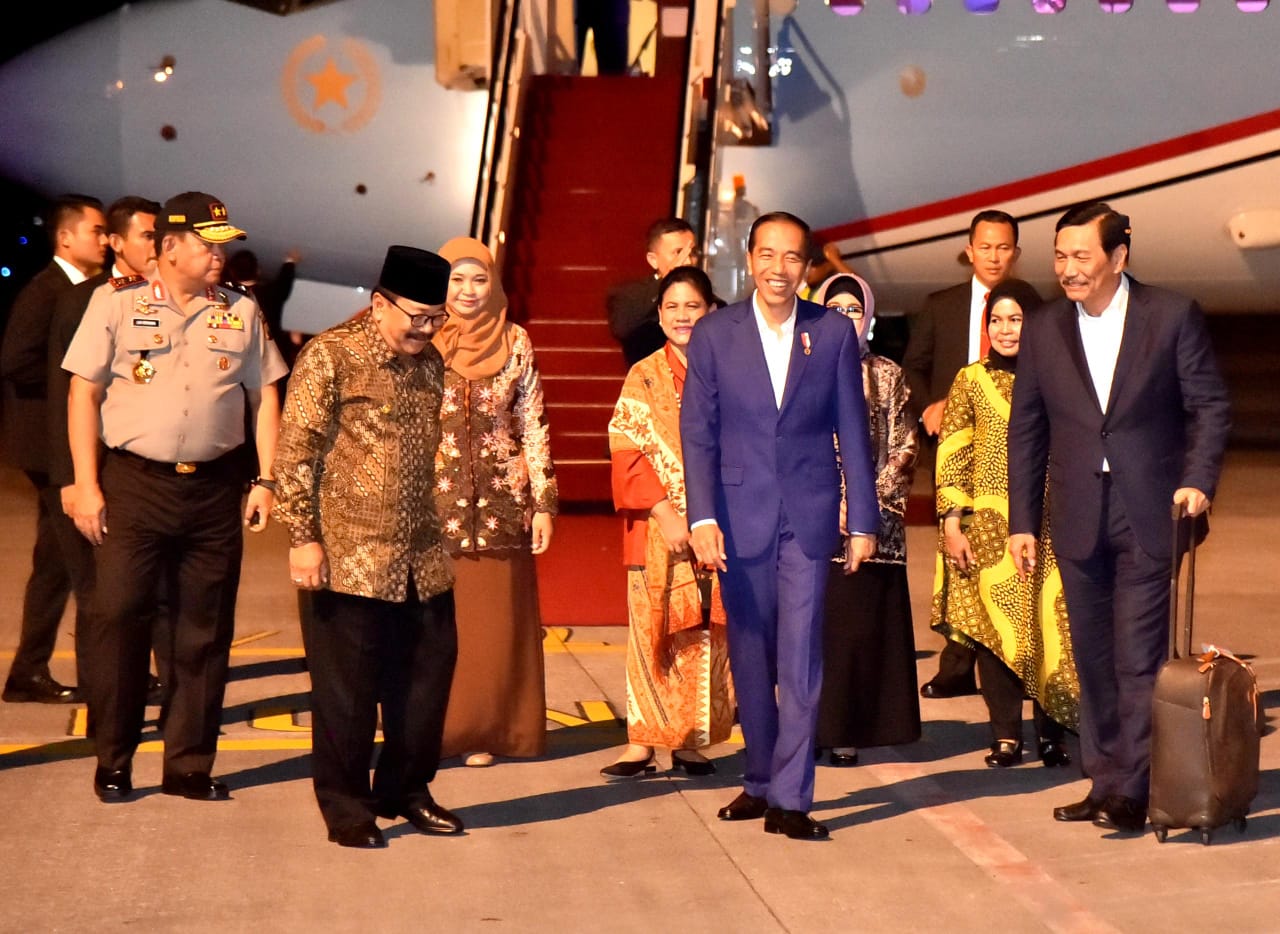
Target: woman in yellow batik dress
[679, 693]
[1019, 628]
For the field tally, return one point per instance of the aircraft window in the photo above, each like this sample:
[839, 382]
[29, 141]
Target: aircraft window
[1251, 6]
[1116, 6]
[914, 7]
[1048, 6]
[845, 7]
[981, 7]
[1183, 6]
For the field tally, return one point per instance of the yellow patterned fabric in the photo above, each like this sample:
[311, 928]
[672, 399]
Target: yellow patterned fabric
[679, 690]
[1023, 623]
[354, 464]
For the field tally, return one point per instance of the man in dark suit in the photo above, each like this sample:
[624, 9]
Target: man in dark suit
[946, 335]
[131, 222]
[772, 380]
[1119, 391]
[633, 306]
[79, 234]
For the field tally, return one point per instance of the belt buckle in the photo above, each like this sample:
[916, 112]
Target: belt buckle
[185, 467]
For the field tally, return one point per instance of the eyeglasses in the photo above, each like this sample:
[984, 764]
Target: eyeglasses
[853, 311]
[420, 321]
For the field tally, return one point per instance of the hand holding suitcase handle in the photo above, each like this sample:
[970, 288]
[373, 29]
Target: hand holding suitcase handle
[1182, 513]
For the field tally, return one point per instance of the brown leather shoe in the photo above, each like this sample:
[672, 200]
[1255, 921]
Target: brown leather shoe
[744, 807]
[1081, 810]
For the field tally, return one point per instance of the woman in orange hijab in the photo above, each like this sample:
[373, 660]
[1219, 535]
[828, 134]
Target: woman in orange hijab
[495, 497]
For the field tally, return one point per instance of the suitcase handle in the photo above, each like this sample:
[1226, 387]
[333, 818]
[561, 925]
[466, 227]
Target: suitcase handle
[1179, 516]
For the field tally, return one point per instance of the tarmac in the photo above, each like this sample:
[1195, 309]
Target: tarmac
[924, 836]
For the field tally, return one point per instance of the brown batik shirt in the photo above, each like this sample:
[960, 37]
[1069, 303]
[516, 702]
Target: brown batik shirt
[355, 462]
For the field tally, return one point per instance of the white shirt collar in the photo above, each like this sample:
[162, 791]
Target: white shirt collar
[787, 327]
[1118, 305]
[74, 274]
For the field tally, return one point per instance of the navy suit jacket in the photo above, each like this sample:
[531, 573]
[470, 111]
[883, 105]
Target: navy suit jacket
[1165, 425]
[747, 461]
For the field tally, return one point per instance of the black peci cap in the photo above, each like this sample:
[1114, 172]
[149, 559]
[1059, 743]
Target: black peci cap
[415, 274]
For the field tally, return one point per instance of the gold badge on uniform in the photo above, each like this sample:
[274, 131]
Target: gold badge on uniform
[143, 371]
[143, 307]
[223, 363]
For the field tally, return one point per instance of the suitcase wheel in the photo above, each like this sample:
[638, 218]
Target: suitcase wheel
[1161, 832]
[1206, 835]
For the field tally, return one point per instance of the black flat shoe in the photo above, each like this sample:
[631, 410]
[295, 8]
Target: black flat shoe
[1004, 753]
[430, 817]
[364, 836]
[744, 807]
[196, 786]
[1121, 814]
[936, 689]
[843, 759]
[795, 824]
[1079, 811]
[691, 767]
[39, 689]
[1054, 754]
[624, 769]
[112, 785]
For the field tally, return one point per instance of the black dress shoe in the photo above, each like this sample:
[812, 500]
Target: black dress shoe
[1054, 754]
[112, 785]
[795, 824]
[39, 689]
[430, 817]
[936, 688]
[630, 769]
[364, 836]
[1081, 810]
[1004, 754]
[744, 807]
[198, 786]
[1121, 814]
[843, 759]
[155, 692]
[691, 766]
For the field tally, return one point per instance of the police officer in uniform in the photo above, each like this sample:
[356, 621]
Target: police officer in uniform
[167, 363]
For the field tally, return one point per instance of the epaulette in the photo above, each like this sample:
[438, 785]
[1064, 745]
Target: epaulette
[125, 282]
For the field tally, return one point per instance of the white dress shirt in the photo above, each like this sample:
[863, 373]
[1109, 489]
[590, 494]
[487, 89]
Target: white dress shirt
[777, 346]
[1101, 335]
[977, 304]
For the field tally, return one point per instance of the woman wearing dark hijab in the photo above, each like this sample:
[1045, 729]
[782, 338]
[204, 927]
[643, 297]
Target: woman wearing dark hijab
[1019, 628]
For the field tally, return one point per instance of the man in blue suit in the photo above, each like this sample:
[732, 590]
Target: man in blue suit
[772, 381]
[1120, 402]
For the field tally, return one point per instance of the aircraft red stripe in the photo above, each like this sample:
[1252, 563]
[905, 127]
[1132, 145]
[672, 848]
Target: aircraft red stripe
[1060, 178]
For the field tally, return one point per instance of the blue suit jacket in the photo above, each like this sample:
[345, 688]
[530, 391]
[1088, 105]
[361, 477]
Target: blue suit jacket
[746, 461]
[1165, 425]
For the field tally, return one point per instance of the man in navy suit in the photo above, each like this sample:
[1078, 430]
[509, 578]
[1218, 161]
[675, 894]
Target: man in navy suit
[1119, 399]
[772, 381]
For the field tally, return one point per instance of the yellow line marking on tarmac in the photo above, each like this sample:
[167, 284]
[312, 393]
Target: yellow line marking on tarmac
[254, 637]
[560, 639]
[593, 711]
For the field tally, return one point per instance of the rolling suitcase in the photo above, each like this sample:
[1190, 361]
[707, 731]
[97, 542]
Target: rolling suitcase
[1204, 730]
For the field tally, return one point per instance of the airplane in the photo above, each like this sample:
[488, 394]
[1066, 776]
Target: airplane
[348, 125]
[328, 131]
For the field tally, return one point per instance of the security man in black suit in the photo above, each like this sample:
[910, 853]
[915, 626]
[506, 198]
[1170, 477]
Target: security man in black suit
[78, 229]
[945, 336]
